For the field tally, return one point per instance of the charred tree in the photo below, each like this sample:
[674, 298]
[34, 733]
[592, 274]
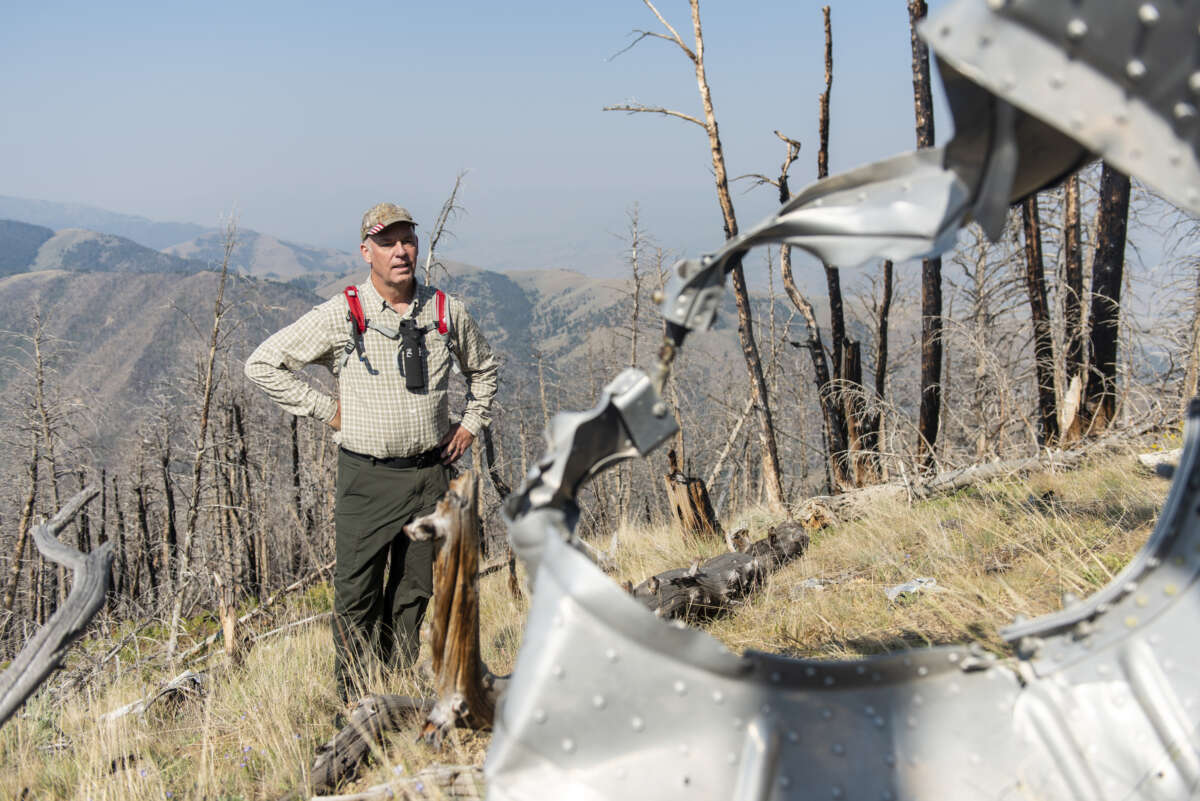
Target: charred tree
[872, 422]
[690, 504]
[1039, 312]
[1073, 328]
[14, 574]
[931, 269]
[1108, 264]
[838, 391]
[712, 587]
[770, 452]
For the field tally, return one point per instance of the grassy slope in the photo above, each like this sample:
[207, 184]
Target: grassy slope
[1008, 548]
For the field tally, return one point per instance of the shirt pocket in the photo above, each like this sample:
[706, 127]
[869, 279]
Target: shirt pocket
[437, 358]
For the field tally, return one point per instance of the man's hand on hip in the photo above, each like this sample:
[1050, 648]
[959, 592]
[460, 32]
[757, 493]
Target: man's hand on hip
[335, 422]
[455, 443]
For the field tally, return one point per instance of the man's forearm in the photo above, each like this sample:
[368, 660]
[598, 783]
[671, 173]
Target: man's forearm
[289, 391]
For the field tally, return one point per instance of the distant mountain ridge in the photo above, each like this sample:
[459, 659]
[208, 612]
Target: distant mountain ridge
[263, 255]
[19, 244]
[56, 215]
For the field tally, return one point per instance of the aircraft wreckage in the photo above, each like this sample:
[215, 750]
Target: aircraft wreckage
[1100, 701]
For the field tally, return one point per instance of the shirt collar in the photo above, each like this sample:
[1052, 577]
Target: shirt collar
[372, 301]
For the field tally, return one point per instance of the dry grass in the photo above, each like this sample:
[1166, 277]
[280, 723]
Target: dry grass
[1008, 548]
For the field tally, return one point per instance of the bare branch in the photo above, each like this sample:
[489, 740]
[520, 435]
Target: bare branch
[44, 652]
[759, 180]
[633, 108]
[449, 210]
[674, 33]
[641, 35]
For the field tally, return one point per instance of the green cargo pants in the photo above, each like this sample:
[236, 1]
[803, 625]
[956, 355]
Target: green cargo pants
[373, 612]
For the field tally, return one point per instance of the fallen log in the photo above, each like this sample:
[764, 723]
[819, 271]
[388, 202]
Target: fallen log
[827, 510]
[186, 684]
[708, 588]
[454, 782]
[339, 759]
[44, 652]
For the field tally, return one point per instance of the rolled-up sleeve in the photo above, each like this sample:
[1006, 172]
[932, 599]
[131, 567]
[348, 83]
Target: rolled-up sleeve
[273, 364]
[480, 369]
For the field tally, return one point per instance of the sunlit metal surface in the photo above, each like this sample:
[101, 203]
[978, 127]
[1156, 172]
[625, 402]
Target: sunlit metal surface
[1099, 701]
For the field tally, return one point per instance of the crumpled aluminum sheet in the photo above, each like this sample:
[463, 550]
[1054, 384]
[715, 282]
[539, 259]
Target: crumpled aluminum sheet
[1120, 76]
[1102, 701]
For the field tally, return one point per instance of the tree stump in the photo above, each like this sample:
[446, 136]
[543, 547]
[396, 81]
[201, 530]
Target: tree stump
[465, 688]
[690, 505]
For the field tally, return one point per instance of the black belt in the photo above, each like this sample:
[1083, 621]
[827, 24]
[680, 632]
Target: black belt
[427, 459]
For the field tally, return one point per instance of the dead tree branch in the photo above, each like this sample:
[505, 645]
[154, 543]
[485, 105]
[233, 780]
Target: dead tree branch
[44, 652]
[634, 108]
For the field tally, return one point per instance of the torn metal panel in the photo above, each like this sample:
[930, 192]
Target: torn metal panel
[1100, 703]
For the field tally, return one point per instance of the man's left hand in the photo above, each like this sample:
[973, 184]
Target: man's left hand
[455, 443]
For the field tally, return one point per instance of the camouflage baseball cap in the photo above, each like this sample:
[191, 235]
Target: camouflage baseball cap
[381, 215]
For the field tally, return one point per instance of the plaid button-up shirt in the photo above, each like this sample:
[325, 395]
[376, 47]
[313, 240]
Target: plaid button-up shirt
[381, 417]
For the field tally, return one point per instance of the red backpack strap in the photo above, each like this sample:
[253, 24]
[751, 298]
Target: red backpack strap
[440, 300]
[356, 310]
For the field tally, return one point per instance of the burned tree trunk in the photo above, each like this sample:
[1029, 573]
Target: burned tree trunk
[1043, 337]
[872, 423]
[10, 592]
[931, 269]
[1073, 375]
[1108, 265]
[690, 505]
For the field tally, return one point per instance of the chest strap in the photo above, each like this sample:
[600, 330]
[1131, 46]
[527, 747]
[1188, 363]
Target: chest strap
[409, 333]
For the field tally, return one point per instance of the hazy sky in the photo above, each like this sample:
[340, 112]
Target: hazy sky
[299, 115]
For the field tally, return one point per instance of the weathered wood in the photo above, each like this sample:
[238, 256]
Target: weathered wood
[187, 683]
[690, 504]
[467, 691]
[455, 782]
[708, 588]
[827, 510]
[454, 623]
[339, 759]
[44, 652]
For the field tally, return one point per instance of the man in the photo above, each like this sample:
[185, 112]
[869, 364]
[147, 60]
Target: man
[394, 431]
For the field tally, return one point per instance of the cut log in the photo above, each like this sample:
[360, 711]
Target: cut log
[463, 695]
[44, 652]
[690, 504]
[709, 588]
